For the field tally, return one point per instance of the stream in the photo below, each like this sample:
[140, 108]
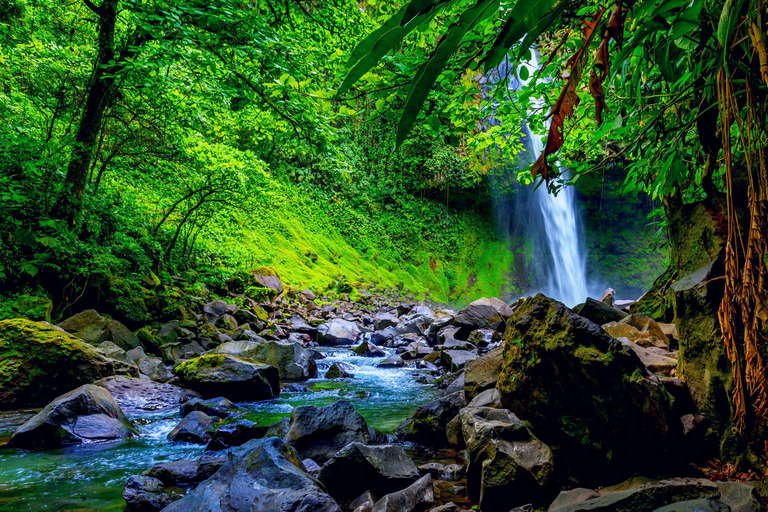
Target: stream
[91, 477]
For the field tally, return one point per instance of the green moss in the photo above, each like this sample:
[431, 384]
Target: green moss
[39, 362]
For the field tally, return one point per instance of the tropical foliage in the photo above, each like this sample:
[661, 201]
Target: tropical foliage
[679, 89]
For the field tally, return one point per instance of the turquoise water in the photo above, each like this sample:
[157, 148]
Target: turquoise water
[91, 477]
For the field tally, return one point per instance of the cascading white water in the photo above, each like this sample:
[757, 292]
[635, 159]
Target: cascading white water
[565, 273]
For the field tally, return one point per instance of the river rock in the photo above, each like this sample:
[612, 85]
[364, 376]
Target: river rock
[235, 378]
[357, 468]
[428, 423]
[154, 368]
[185, 471]
[196, 427]
[363, 503]
[292, 361]
[599, 312]
[263, 474]
[504, 459]
[338, 332]
[419, 496]
[338, 371]
[145, 395]
[319, 432]
[383, 319]
[268, 278]
[236, 434]
[447, 472]
[488, 398]
[86, 414]
[219, 406]
[455, 360]
[482, 373]
[216, 309]
[477, 315]
[658, 360]
[640, 329]
[41, 362]
[112, 351]
[416, 350]
[636, 497]
[393, 361]
[368, 349]
[145, 494]
[584, 392]
[93, 328]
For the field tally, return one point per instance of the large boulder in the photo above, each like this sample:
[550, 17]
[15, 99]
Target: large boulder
[86, 414]
[292, 361]
[455, 360]
[504, 459]
[583, 392]
[268, 278]
[185, 471]
[482, 373]
[196, 427]
[382, 320]
[671, 495]
[357, 468]
[338, 332]
[145, 494]
[599, 312]
[368, 349]
[93, 328]
[39, 362]
[232, 377]
[263, 474]
[703, 361]
[317, 433]
[480, 314]
[154, 368]
[417, 497]
[112, 351]
[428, 423]
[145, 395]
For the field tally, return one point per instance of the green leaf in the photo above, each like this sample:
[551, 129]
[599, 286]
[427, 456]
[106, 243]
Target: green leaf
[532, 18]
[430, 70]
[379, 43]
[728, 18]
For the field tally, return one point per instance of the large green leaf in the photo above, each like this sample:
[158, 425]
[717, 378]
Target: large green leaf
[381, 41]
[430, 70]
[531, 18]
[728, 19]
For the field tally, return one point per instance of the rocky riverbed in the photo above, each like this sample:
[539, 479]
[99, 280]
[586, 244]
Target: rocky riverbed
[303, 403]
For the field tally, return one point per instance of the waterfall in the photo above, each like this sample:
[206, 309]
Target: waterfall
[562, 267]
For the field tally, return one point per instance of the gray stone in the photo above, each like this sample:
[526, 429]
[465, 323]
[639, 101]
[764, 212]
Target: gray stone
[319, 432]
[504, 459]
[263, 474]
[357, 468]
[338, 332]
[417, 497]
[196, 427]
[86, 414]
[145, 494]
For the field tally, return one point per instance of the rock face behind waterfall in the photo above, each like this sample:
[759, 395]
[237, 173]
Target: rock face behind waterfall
[583, 393]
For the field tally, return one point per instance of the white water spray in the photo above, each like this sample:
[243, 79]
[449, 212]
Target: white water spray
[566, 274]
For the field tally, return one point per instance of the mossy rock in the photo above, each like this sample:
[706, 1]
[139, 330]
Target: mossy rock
[584, 393]
[236, 378]
[39, 362]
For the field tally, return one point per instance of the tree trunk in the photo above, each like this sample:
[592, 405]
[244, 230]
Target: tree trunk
[100, 93]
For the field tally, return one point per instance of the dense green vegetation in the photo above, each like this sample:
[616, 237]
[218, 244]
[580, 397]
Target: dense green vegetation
[220, 147]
